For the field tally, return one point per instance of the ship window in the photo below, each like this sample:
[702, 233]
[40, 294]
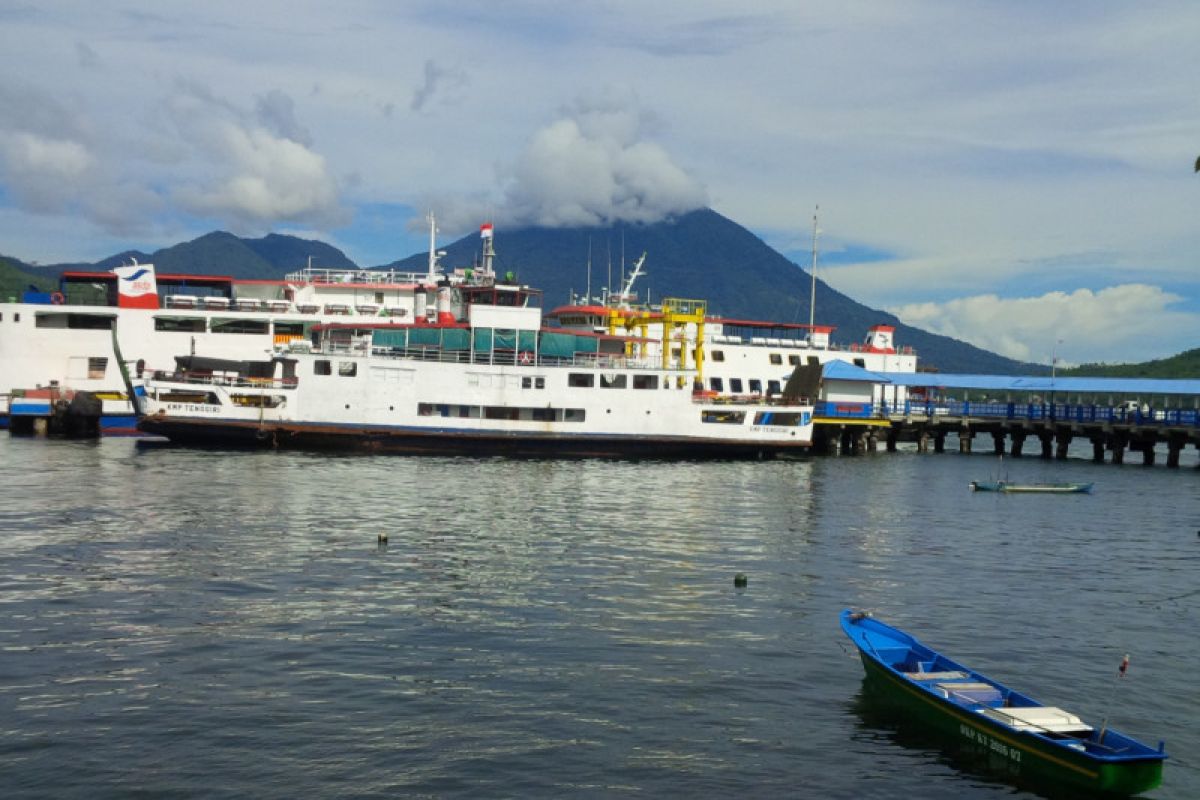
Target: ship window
[718, 355]
[289, 328]
[788, 419]
[793, 360]
[723, 417]
[755, 386]
[773, 387]
[17, 317]
[240, 325]
[612, 380]
[257, 400]
[645, 381]
[716, 384]
[858, 362]
[813, 361]
[539, 383]
[347, 369]
[205, 398]
[526, 383]
[188, 324]
[735, 385]
[97, 367]
[322, 368]
[74, 321]
[581, 379]
[776, 358]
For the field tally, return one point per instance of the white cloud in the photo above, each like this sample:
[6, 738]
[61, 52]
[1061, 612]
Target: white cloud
[252, 172]
[1128, 323]
[596, 166]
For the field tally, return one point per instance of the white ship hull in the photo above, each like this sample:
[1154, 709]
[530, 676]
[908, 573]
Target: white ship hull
[400, 404]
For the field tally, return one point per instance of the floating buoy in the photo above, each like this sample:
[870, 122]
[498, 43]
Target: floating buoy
[740, 579]
[383, 538]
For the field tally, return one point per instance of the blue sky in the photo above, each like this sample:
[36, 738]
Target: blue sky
[1018, 175]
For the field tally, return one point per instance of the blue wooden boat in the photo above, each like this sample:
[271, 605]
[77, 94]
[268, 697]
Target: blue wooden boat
[1041, 744]
[1036, 488]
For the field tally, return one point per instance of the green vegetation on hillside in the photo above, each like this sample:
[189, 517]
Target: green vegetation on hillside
[1186, 365]
[14, 280]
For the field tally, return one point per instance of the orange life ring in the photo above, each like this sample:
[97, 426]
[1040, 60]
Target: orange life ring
[57, 298]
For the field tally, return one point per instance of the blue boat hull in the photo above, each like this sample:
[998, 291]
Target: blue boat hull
[1105, 763]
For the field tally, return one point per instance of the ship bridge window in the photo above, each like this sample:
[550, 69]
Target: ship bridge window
[185, 324]
[96, 367]
[612, 380]
[773, 387]
[645, 381]
[793, 360]
[735, 385]
[581, 380]
[347, 369]
[755, 386]
[776, 358]
[716, 384]
[718, 355]
[322, 367]
[240, 325]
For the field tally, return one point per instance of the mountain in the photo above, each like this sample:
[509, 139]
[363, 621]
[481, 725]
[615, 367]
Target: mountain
[221, 253]
[1185, 365]
[704, 255]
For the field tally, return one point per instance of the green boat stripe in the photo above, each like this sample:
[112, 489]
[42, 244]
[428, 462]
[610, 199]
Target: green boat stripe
[924, 696]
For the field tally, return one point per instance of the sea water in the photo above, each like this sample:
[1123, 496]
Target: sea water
[206, 623]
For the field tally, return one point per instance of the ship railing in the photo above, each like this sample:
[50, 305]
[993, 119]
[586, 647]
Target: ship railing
[714, 398]
[501, 357]
[336, 276]
[238, 381]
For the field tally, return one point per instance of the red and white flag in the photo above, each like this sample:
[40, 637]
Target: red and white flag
[485, 230]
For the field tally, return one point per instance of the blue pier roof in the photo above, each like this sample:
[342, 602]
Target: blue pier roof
[1045, 383]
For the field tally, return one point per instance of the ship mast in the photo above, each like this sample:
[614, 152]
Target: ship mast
[433, 253]
[812, 295]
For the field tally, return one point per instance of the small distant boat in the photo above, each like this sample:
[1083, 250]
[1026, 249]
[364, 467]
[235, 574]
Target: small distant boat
[1037, 488]
[1040, 743]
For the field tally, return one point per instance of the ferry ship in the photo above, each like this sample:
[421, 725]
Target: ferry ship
[742, 356]
[486, 377]
[58, 345]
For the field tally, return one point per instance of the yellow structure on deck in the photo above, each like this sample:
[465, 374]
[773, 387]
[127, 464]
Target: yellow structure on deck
[677, 313]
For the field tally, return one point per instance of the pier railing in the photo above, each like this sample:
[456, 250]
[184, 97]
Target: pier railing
[1036, 412]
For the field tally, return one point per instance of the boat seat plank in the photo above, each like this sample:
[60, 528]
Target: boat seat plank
[1039, 718]
[971, 692]
[936, 676]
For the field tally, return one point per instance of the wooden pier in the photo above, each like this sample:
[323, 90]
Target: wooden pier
[1046, 432]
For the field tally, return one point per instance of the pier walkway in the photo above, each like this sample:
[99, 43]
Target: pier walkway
[1114, 416]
